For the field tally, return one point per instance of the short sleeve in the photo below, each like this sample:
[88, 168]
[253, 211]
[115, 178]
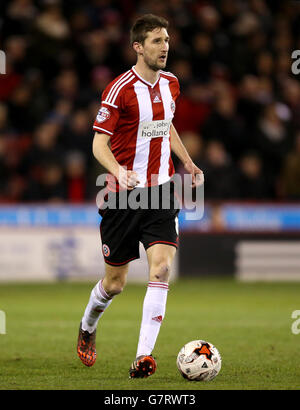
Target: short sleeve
[108, 115]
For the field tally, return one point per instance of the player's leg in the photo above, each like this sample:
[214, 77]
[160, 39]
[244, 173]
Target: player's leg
[100, 298]
[160, 257]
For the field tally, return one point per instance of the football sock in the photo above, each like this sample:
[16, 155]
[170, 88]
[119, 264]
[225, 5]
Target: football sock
[99, 301]
[154, 308]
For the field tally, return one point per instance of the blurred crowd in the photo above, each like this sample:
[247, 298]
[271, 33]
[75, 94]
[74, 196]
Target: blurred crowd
[238, 113]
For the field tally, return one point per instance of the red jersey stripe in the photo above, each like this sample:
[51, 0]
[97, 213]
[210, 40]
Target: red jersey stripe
[155, 144]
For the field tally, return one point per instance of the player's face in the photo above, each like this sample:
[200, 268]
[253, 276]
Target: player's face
[155, 49]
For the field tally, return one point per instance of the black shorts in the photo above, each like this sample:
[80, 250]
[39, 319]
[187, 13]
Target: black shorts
[123, 229]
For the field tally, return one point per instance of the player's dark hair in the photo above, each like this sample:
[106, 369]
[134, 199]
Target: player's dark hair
[144, 24]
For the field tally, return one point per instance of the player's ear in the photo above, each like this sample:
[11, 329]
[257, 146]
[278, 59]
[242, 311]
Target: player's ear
[138, 47]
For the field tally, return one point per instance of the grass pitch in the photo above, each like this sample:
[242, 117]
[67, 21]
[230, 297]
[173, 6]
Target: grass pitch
[250, 324]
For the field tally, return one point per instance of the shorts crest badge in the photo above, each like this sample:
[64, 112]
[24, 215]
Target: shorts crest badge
[105, 250]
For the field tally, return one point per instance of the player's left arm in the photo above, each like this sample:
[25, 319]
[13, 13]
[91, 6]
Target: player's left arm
[179, 149]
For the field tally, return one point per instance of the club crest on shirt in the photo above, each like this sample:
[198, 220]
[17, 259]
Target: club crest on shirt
[173, 106]
[106, 250]
[103, 114]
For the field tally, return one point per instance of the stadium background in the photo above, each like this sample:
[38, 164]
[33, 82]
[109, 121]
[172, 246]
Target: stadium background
[238, 115]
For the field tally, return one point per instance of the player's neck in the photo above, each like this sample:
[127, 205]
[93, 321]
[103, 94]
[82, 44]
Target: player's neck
[146, 73]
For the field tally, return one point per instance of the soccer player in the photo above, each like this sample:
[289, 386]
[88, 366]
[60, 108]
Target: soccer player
[133, 140]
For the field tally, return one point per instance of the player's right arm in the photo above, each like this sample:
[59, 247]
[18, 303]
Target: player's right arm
[103, 154]
[104, 126]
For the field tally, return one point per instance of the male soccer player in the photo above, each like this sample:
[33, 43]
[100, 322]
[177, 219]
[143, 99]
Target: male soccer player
[133, 140]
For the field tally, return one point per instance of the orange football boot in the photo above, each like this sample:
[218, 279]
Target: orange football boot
[86, 347]
[142, 366]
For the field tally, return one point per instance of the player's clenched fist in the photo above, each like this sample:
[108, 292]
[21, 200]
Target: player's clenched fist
[127, 179]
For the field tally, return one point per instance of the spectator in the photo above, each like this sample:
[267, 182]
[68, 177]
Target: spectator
[272, 139]
[193, 108]
[224, 124]
[249, 106]
[4, 126]
[290, 91]
[50, 187]
[45, 149]
[289, 185]
[78, 134]
[220, 179]
[66, 85]
[75, 177]
[193, 143]
[251, 178]
[202, 56]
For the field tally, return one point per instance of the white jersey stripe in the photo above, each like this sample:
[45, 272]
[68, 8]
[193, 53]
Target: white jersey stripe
[140, 163]
[120, 87]
[116, 84]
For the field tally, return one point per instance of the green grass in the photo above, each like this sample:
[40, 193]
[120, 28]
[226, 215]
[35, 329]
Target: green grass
[250, 324]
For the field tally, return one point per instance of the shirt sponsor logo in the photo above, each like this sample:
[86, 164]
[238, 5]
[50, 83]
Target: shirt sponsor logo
[154, 129]
[103, 114]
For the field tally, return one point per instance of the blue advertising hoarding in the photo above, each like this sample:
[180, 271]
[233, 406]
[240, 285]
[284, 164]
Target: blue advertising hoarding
[232, 217]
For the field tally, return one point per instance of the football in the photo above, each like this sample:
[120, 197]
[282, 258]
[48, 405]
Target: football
[199, 361]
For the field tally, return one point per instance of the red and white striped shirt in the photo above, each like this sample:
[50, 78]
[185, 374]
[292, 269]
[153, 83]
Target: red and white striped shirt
[137, 116]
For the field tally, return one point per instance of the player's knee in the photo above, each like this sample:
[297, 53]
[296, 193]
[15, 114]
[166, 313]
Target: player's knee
[114, 289]
[115, 286]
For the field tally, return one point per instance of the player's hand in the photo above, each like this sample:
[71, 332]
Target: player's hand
[127, 179]
[196, 173]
